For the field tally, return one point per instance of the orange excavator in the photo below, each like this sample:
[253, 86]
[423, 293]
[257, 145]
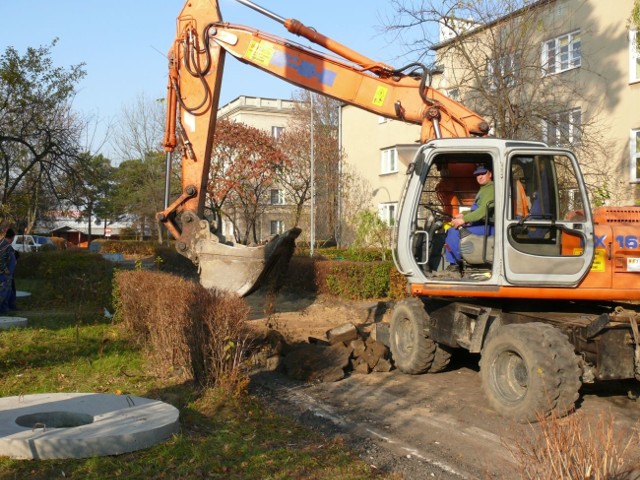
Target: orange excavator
[540, 295]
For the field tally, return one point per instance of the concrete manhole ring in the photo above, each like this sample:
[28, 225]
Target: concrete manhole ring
[12, 322]
[80, 425]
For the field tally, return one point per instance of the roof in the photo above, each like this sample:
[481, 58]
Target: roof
[505, 18]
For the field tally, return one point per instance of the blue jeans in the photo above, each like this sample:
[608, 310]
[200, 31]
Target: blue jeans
[6, 292]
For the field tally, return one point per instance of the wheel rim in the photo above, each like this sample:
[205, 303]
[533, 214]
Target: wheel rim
[510, 376]
[405, 337]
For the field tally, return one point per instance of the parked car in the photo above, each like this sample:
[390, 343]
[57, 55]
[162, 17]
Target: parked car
[32, 243]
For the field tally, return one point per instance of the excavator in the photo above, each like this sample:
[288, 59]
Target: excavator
[545, 295]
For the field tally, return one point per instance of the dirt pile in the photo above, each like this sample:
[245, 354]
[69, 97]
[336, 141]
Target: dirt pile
[343, 350]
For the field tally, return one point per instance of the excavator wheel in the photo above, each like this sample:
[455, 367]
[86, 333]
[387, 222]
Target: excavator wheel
[530, 371]
[441, 359]
[412, 350]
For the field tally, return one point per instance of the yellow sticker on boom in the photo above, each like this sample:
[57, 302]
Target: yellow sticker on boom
[380, 95]
[260, 52]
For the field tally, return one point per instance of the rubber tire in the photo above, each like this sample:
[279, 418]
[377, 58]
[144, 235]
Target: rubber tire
[441, 359]
[412, 350]
[530, 370]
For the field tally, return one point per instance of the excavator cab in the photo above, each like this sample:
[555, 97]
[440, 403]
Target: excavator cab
[538, 230]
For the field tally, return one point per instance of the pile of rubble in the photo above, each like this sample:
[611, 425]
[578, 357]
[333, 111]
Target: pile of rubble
[345, 350]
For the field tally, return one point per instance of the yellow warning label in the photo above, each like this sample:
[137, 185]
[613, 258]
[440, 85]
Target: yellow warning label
[260, 52]
[598, 264]
[381, 94]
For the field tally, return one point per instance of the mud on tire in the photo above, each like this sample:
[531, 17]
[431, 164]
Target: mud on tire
[412, 350]
[529, 370]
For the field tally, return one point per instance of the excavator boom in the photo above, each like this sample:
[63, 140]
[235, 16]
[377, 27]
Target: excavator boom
[196, 64]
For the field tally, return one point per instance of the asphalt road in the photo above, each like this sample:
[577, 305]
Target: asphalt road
[435, 425]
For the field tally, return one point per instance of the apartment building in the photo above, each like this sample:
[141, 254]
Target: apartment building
[378, 150]
[566, 72]
[271, 115]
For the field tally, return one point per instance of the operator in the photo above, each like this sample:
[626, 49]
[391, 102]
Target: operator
[473, 220]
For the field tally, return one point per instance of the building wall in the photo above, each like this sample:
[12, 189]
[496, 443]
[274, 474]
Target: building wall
[364, 136]
[262, 113]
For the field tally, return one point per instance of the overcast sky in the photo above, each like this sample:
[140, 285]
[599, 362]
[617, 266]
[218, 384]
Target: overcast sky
[124, 43]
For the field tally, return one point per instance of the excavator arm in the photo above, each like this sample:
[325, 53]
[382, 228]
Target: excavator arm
[196, 63]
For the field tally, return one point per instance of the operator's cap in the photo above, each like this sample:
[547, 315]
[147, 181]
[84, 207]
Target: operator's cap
[480, 170]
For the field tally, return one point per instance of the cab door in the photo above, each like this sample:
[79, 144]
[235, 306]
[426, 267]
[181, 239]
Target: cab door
[548, 229]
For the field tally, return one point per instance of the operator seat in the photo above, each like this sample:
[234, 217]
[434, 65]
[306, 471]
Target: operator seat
[478, 249]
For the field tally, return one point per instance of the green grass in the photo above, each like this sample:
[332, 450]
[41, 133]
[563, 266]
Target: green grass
[68, 346]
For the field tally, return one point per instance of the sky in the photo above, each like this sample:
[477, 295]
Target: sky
[124, 44]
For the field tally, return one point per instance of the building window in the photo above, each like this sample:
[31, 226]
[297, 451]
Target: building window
[634, 147]
[276, 132]
[277, 197]
[501, 72]
[388, 161]
[277, 227]
[561, 53]
[387, 213]
[563, 129]
[634, 57]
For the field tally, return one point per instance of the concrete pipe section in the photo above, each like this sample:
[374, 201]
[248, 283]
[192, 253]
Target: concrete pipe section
[12, 322]
[80, 425]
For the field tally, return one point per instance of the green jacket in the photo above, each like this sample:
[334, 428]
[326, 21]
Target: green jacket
[485, 195]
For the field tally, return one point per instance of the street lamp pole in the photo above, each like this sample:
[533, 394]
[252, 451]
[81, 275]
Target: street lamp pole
[313, 187]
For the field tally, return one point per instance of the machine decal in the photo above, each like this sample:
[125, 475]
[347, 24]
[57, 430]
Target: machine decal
[380, 95]
[599, 260]
[633, 264]
[260, 52]
[600, 241]
[627, 241]
[303, 68]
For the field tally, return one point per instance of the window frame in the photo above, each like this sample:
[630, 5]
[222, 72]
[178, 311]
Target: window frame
[387, 212]
[634, 154]
[574, 132]
[276, 131]
[279, 227]
[388, 161]
[506, 76]
[279, 193]
[574, 44]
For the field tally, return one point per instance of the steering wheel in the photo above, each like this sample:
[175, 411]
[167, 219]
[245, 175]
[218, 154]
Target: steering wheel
[437, 212]
[436, 220]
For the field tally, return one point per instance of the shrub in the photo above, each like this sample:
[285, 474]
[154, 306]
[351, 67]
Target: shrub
[60, 243]
[58, 274]
[126, 247]
[170, 261]
[571, 448]
[348, 279]
[187, 330]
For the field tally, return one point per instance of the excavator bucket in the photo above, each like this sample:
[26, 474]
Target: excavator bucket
[241, 269]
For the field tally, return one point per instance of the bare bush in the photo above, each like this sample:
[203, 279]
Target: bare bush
[573, 448]
[188, 331]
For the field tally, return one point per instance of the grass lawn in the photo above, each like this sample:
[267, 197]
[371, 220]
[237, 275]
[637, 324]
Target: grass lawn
[69, 346]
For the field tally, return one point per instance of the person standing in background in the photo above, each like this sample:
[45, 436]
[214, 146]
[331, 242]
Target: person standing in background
[7, 268]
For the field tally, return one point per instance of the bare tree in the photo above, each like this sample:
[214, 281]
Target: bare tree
[138, 138]
[296, 144]
[39, 133]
